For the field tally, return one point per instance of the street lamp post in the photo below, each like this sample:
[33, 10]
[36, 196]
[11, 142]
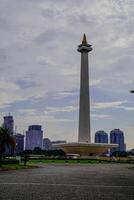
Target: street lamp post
[131, 91]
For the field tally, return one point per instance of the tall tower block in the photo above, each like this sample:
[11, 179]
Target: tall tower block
[84, 103]
[9, 123]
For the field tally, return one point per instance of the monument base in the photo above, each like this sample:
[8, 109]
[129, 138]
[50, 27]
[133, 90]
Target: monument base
[85, 149]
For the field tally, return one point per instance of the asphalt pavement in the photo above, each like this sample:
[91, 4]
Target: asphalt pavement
[69, 182]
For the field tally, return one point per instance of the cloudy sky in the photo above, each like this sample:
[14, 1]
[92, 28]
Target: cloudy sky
[40, 65]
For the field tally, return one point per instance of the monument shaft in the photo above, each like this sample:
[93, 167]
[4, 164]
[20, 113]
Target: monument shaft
[84, 147]
[84, 104]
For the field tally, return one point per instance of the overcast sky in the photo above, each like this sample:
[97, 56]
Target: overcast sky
[40, 65]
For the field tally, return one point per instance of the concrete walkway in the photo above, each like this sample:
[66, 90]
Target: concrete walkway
[69, 182]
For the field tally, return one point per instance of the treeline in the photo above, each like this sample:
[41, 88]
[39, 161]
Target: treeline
[39, 151]
[56, 152]
[122, 153]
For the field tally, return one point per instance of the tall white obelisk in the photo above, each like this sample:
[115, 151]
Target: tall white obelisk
[84, 104]
[84, 147]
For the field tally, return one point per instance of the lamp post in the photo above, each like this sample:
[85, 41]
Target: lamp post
[131, 91]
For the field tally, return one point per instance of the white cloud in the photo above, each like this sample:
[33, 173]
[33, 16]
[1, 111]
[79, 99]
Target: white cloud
[6, 85]
[95, 82]
[64, 94]
[9, 93]
[61, 109]
[28, 111]
[124, 42]
[100, 116]
[104, 105]
[126, 108]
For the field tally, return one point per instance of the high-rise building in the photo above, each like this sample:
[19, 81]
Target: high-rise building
[9, 123]
[34, 137]
[19, 143]
[47, 145]
[101, 137]
[117, 137]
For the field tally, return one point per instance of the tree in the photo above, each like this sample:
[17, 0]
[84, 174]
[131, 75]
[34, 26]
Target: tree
[120, 154]
[28, 151]
[37, 150]
[6, 139]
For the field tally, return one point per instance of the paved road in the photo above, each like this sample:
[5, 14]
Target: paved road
[69, 182]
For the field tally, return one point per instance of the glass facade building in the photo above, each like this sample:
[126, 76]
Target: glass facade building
[9, 123]
[101, 137]
[34, 137]
[117, 137]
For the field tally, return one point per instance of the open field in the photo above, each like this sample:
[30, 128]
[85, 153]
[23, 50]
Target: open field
[67, 161]
[32, 163]
[69, 182]
[84, 161]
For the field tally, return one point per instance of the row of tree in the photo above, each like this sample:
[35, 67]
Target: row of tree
[39, 151]
[122, 153]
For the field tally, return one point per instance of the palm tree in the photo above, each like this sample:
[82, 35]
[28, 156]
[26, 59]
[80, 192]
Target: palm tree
[6, 139]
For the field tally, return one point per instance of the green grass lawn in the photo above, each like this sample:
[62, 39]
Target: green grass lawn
[34, 163]
[84, 161]
[15, 167]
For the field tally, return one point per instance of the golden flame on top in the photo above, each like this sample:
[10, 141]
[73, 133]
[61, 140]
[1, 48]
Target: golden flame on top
[84, 40]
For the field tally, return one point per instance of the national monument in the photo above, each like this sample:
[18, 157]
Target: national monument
[84, 147]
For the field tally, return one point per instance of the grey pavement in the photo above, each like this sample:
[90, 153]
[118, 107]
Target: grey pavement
[69, 182]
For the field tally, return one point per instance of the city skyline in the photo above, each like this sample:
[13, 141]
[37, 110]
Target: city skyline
[34, 136]
[40, 69]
